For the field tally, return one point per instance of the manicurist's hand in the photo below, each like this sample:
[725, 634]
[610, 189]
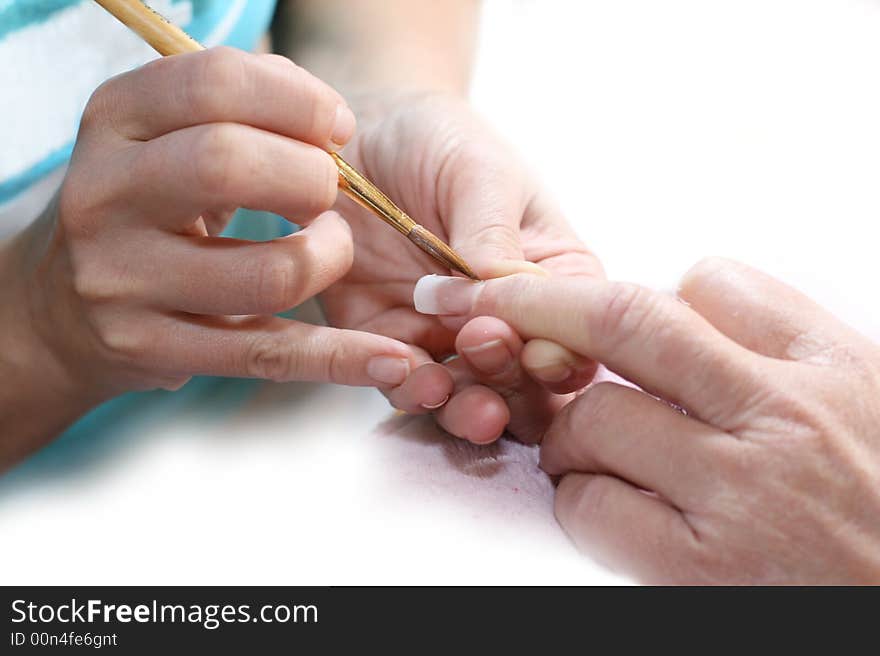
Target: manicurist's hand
[770, 474]
[121, 285]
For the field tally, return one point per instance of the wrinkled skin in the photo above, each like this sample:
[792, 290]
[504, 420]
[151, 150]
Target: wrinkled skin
[771, 474]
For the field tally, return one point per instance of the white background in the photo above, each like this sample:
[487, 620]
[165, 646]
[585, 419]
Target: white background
[669, 130]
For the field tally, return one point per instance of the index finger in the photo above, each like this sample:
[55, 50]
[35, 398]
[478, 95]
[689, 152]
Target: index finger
[224, 85]
[644, 336]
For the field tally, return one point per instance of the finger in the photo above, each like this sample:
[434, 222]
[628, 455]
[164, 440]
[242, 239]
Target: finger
[550, 240]
[425, 390]
[644, 336]
[555, 367]
[216, 275]
[224, 85]
[616, 430]
[625, 529]
[491, 349]
[221, 166]
[760, 312]
[483, 210]
[478, 414]
[401, 323]
[281, 350]
[475, 414]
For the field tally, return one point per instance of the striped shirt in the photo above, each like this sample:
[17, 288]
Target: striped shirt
[54, 54]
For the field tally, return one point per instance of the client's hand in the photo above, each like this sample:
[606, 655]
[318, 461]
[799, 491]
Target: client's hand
[770, 474]
[442, 164]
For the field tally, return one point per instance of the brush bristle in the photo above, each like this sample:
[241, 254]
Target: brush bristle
[440, 251]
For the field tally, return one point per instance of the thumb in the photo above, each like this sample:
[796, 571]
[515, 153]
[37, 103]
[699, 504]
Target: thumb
[483, 210]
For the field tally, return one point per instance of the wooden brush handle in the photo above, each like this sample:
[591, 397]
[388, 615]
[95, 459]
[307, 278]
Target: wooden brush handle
[165, 37]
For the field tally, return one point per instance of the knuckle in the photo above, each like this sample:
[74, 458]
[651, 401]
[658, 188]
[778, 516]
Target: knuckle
[122, 339]
[95, 278]
[92, 289]
[98, 106]
[626, 309]
[278, 284]
[343, 258]
[595, 406]
[223, 68]
[321, 357]
[321, 178]
[219, 76]
[321, 106]
[326, 259]
[576, 424]
[214, 158]
[336, 365]
[269, 359]
[316, 104]
[74, 208]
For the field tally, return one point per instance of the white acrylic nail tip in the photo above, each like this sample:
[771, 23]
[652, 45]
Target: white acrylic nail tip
[426, 296]
[446, 295]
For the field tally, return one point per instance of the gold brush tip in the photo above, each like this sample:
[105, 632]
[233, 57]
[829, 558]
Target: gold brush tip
[439, 250]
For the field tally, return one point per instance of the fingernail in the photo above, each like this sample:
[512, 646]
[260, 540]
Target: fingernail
[548, 362]
[434, 406]
[489, 358]
[444, 295]
[388, 370]
[343, 128]
[555, 372]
